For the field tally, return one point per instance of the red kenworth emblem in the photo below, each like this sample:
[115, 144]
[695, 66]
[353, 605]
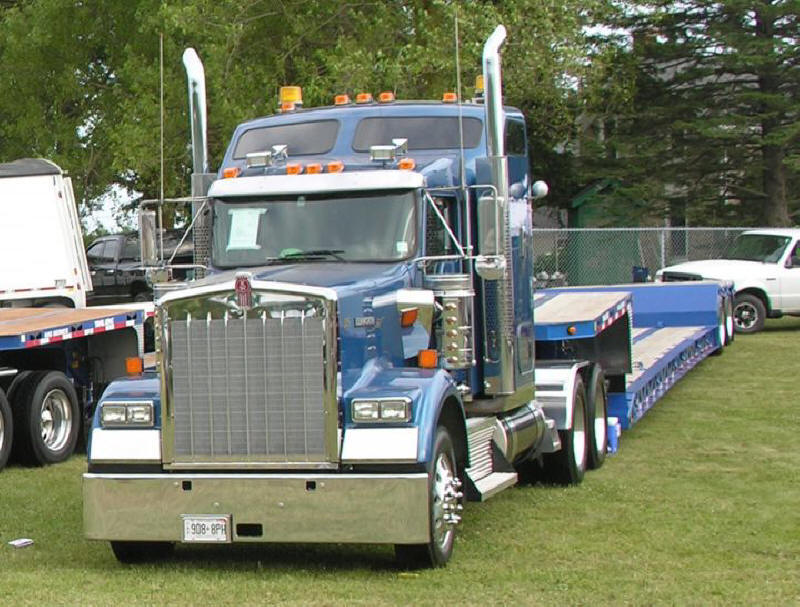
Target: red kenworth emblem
[244, 291]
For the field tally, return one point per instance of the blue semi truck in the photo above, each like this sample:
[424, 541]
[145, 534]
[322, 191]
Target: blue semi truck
[366, 350]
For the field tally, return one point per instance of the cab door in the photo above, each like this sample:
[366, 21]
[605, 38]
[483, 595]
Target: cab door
[101, 256]
[789, 279]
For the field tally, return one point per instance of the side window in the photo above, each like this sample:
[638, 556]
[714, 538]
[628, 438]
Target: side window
[437, 241]
[515, 138]
[130, 249]
[100, 251]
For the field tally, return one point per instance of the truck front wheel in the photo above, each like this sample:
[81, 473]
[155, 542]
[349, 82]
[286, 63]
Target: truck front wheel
[6, 430]
[48, 418]
[444, 504]
[749, 313]
[141, 552]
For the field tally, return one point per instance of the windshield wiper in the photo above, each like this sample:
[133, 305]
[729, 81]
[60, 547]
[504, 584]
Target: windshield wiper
[296, 254]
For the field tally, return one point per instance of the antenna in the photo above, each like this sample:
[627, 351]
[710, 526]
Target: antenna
[458, 98]
[463, 170]
[161, 145]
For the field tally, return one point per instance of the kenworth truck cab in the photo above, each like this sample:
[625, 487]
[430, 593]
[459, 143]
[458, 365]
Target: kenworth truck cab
[359, 357]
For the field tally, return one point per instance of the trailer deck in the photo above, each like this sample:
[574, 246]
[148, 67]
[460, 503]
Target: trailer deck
[672, 327]
[32, 327]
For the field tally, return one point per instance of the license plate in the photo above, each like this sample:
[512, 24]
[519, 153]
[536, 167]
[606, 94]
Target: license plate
[202, 528]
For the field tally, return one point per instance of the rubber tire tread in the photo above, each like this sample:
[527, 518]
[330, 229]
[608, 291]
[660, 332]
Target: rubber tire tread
[595, 459]
[560, 467]
[429, 555]
[29, 447]
[142, 552]
[8, 430]
[760, 308]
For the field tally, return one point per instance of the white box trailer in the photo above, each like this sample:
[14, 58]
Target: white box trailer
[42, 257]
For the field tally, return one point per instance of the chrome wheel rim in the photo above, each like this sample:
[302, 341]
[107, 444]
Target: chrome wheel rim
[745, 315]
[579, 436]
[729, 318]
[445, 501]
[56, 420]
[2, 433]
[600, 424]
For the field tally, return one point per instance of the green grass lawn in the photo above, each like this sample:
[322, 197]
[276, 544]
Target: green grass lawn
[699, 506]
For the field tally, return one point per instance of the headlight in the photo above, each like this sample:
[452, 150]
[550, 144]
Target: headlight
[139, 413]
[379, 410]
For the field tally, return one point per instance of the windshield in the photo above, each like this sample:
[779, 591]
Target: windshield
[374, 226]
[758, 247]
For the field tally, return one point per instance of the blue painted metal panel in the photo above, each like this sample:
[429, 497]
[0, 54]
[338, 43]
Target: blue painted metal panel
[558, 331]
[643, 392]
[426, 388]
[144, 387]
[682, 304]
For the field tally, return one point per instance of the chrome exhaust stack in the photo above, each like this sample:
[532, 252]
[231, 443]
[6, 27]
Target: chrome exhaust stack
[201, 178]
[494, 238]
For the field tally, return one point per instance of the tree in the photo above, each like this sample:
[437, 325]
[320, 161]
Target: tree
[711, 132]
[81, 86]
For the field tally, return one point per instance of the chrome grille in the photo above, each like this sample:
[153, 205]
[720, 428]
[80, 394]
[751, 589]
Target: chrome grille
[252, 387]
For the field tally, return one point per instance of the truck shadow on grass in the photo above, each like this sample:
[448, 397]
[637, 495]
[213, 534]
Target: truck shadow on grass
[278, 558]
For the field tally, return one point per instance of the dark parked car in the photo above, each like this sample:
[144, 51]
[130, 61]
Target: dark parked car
[116, 268]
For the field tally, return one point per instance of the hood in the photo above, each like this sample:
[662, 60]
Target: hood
[347, 279]
[735, 270]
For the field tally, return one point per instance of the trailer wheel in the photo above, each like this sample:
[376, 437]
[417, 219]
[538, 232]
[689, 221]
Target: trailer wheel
[568, 465]
[6, 430]
[444, 504]
[597, 416]
[48, 418]
[141, 552]
[749, 313]
[729, 328]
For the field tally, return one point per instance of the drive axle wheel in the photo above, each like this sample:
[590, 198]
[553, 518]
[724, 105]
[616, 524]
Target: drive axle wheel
[141, 552]
[48, 418]
[444, 504]
[597, 419]
[749, 313]
[6, 430]
[568, 465]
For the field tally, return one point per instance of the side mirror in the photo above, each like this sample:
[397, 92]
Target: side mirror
[147, 237]
[491, 263]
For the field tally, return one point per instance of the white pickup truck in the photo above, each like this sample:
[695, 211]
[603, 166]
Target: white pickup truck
[764, 266]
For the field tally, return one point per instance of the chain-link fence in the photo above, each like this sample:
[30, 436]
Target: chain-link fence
[621, 255]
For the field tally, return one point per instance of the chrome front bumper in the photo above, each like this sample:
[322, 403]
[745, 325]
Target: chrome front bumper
[323, 508]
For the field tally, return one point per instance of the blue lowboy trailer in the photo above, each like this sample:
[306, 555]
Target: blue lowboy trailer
[366, 349]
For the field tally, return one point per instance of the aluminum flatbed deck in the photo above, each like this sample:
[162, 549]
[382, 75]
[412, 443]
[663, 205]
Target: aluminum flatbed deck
[564, 314]
[31, 327]
[661, 356]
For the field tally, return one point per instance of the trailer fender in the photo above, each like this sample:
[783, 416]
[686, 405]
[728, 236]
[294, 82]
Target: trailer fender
[433, 399]
[555, 384]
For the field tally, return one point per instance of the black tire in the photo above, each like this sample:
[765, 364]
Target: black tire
[568, 465]
[47, 418]
[142, 296]
[6, 430]
[730, 328]
[722, 331]
[597, 419]
[749, 313]
[444, 502]
[18, 380]
[142, 552]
